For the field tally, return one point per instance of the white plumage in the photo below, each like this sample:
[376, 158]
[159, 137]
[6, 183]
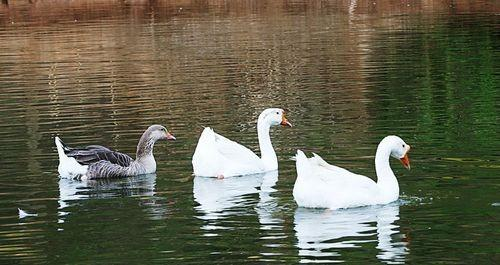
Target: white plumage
[68, 166]
[321, 185]
[217, 156]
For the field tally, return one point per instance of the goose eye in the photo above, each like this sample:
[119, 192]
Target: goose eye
[403, 145]
[278, 113]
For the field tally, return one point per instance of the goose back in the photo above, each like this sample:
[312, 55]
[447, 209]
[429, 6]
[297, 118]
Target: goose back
[95, 153]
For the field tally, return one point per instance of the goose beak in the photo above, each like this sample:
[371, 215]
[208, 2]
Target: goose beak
[405, 160]
[284, 121]
[169, 136]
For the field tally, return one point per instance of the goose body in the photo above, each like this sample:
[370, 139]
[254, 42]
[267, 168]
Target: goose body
[217, 156]
[321, 185]
[95, 161]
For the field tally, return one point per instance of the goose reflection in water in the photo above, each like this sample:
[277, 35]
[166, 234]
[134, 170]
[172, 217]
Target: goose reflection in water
[267, 205]
[72, 192]
[220, 198]
[323, 233]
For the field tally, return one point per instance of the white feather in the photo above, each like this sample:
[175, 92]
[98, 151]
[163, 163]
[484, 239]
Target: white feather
[23, 213]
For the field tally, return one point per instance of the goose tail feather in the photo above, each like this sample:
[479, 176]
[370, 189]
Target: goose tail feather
[302, 164]
[61, 147]
[68, 166]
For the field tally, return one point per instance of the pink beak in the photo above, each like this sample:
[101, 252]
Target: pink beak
[169, 136]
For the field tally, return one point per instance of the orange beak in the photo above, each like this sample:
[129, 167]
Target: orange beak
[169, 136]
[405, 160]
[284, 121]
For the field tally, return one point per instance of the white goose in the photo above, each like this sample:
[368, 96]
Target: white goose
[217, 156]
[95, 161]
[321, 185]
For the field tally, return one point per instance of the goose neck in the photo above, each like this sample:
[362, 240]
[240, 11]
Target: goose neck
[386, 179]
[144, 148]
[144, 156]
[268, 156]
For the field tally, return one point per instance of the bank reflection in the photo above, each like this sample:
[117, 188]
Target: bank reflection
[72, 192]
[323, 234]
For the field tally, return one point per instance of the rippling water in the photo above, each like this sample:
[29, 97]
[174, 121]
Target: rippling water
[348, 72]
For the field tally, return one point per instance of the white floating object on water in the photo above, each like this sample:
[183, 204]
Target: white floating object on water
[23, 213]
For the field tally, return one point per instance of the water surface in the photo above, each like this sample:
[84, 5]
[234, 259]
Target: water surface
[348, 73]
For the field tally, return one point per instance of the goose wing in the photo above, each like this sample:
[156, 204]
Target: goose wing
[334, 174]
[234, 151]
[215, 154]
[95, 153]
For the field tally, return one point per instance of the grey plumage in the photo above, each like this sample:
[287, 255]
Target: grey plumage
[94, 153]
[105, 163]
[106, 169]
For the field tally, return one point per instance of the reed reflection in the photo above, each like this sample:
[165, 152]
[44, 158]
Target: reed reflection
[322, 234]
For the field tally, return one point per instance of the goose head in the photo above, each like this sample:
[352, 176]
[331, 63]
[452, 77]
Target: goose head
[148, 139]
[158, 132]
[399, 149]
[273, 117]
